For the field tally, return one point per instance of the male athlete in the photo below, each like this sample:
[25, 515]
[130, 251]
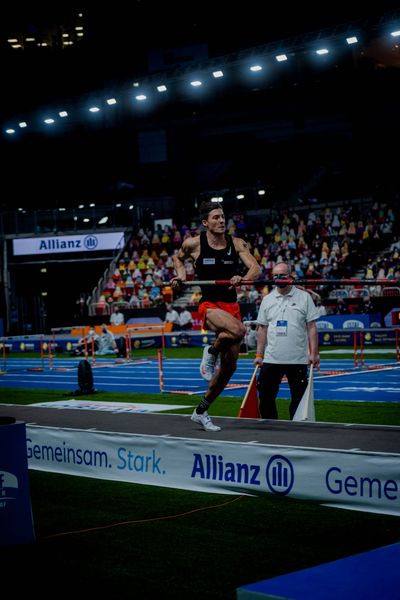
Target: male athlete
[216, 255]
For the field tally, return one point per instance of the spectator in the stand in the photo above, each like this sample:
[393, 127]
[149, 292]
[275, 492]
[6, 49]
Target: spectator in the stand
[341, 308]
[251, 336]
[167, 293]
[155, 295]
[173, 318]
[117, 317]
[253, 294]
[396, 245]
[107, 343]
[316, 299]
[101, 306]
[196, 296]
[367, 306]
[185, 318]
[134, 301]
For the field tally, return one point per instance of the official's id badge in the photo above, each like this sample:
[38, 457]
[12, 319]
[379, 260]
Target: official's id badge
[281, 328]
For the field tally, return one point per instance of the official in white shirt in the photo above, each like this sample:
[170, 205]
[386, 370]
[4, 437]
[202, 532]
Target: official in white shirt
[287, 342]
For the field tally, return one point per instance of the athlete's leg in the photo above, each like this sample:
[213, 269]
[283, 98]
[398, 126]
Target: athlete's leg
[228, 362]
[229, 330]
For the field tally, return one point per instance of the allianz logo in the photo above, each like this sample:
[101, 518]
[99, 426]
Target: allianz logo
[278, 473]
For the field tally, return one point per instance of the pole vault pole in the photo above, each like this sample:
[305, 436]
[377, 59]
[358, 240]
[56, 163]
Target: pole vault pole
[365, 282]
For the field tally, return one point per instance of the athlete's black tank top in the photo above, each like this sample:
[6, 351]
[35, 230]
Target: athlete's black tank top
[217, 264]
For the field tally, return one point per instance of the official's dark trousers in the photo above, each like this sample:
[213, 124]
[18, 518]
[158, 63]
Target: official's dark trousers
[268, 383]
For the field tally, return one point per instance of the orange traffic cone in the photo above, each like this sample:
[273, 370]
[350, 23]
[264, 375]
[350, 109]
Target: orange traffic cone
[249, 408]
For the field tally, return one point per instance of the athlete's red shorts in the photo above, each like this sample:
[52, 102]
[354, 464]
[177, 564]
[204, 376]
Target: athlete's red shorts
[232, 308]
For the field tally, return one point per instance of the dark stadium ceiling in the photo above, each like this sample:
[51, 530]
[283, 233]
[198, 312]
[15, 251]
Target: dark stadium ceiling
[86, 162]
[116, 41]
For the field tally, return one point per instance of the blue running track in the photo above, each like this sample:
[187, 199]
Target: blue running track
[354, 384]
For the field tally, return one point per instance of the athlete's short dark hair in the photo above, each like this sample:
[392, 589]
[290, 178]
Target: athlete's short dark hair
[206, 207]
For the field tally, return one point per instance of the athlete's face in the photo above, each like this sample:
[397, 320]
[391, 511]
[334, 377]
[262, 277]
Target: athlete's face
[215, 221]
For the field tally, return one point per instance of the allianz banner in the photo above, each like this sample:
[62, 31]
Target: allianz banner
[92, 242]
[352, 479]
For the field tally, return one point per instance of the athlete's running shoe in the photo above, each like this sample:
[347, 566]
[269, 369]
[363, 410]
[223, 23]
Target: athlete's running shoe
[205, 421]
[208, 364]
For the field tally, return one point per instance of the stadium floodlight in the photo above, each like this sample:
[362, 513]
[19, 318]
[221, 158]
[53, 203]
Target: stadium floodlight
[196, 83]
[240, 197]
[94, 109]
[141, 97]
[161, 88]
[281, 57]
[49, 121]
[63, 114]
[103, 220]
[322, 51]
[23, 124]
[111, 101]
[395, 33]
[353, 39]
[217, 199]
[255, 68]
[218, 74]
[261, 192]
[10, 131]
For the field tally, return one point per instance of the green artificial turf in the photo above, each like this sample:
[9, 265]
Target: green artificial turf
[103, 539]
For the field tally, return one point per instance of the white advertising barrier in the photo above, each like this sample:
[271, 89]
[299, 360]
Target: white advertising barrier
[68, 243]
[344, 479]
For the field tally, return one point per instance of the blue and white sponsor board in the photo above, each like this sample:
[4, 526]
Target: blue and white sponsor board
[350, 321]
[365, 481]
[68, 243]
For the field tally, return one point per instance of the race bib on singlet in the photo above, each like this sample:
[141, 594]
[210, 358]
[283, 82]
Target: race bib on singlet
[281, 328]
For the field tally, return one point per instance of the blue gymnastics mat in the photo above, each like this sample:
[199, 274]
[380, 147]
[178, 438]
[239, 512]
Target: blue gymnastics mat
[367, 576]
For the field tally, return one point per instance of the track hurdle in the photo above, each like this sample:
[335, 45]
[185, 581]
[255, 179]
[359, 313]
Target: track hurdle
[145, 332]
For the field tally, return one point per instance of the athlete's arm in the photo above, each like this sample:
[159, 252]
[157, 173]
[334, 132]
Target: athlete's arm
[254, 270]
[188, 251]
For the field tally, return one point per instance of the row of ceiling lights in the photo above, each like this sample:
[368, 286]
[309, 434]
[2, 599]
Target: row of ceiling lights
[162, 87]
[194, 83]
